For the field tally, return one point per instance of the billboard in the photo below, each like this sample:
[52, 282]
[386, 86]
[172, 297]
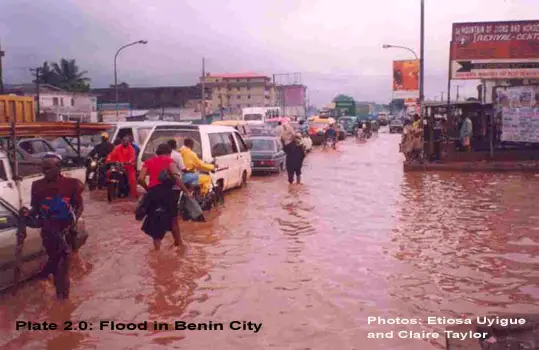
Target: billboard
[406, 79]
[495, 50]
[519, 106]
[293, 95]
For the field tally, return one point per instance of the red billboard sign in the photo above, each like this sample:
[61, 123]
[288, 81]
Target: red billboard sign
[406, 79]
[495, 50]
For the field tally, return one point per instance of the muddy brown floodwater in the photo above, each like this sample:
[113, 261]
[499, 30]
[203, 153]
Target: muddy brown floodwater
[311, 263]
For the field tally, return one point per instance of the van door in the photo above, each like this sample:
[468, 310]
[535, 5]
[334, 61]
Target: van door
[33, 253]
[244, 158]
[225, 152]
[8, 191]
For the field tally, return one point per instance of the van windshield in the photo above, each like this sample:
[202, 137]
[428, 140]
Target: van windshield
[162, 136]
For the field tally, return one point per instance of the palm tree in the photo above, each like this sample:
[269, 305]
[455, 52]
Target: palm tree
[69, 77]
[46, 75]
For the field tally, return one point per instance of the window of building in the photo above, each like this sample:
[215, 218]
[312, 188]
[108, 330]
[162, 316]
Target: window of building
[55, 101]
[239, 106]
[248, 105]
[61, 101]
[72, 102]
[248, 97]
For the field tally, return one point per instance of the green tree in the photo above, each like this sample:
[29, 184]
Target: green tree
[343, 98]
[69, 77]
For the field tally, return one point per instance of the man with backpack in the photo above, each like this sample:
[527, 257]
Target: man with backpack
[56, 203]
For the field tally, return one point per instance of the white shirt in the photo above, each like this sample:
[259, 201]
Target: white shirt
[177, 158]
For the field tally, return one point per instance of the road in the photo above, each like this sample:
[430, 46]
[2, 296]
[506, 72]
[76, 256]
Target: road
[311, 263]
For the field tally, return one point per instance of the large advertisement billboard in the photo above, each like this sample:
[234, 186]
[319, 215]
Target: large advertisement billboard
[519, 106]
[293, 95]
[406, 79]
[495, 50]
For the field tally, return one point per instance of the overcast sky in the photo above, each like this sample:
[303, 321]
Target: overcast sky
[335, 44]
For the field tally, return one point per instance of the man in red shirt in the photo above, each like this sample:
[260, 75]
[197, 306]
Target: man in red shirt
[162, 215]
[125, 153]
[56, 206]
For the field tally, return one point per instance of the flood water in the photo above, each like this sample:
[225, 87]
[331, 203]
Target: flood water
[311, 263]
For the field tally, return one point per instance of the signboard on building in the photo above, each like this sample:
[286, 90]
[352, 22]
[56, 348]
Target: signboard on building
[112, 106]
[495, 50]
[520, 113]
[406, 79]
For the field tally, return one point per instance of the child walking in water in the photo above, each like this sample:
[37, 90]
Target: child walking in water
[295, 153]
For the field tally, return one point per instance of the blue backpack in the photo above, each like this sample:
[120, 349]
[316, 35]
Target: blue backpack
[56, 208]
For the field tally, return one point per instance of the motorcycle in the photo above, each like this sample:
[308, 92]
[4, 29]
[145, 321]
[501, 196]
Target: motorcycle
[212, 199]
[94, 171]
[330, 140]
[117, 183]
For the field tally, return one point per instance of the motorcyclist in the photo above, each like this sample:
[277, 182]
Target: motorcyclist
[192, 165]
[331, 132]
[125, 154]
[101, 151]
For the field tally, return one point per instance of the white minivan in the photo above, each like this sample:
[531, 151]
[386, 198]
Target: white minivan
[223, 144]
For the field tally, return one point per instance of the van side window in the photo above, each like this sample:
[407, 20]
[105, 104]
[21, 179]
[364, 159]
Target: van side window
[122, 133]
[231, 146]
[8, 219]
[3, 174]
[241, 143]
[143, 134]
[217, 145]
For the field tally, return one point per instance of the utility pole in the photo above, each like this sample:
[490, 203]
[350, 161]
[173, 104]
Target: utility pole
[458, 87]
[442, 92]
[203, 103]
[1, 76]
[38, 108]
[422, 69]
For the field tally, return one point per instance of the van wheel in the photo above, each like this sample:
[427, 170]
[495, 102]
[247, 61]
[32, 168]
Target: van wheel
[243, 180]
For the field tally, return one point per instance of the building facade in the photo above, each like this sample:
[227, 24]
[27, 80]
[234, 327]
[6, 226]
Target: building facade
[232, 92]
[56, 104]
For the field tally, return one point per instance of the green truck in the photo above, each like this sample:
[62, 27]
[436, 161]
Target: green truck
[347, 107]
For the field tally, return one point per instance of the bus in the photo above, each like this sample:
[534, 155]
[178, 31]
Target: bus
[259, 114]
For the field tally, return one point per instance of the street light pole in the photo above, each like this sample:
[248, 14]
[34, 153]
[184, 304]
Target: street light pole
[385, 46]
[116, 74]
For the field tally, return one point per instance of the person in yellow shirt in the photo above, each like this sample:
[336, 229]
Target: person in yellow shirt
[192, 165]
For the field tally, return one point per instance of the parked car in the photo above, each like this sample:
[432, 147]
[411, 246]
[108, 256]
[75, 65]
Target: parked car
[267, 154]
[222, 144]
[396, 126]
[32, 150]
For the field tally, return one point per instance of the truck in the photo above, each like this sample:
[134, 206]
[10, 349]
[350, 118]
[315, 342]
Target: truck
[347, 107]
[18, 108]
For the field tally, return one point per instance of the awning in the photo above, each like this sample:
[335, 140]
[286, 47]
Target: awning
[53, 129]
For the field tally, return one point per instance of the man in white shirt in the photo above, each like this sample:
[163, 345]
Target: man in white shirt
[175, 155]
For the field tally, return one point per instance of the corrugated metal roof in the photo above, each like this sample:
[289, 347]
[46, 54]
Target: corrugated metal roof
[238, 75]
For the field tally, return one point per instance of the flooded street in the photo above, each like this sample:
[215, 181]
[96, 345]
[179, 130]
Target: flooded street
[311, 263]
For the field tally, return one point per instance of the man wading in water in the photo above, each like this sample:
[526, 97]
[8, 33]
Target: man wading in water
[56, 206]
